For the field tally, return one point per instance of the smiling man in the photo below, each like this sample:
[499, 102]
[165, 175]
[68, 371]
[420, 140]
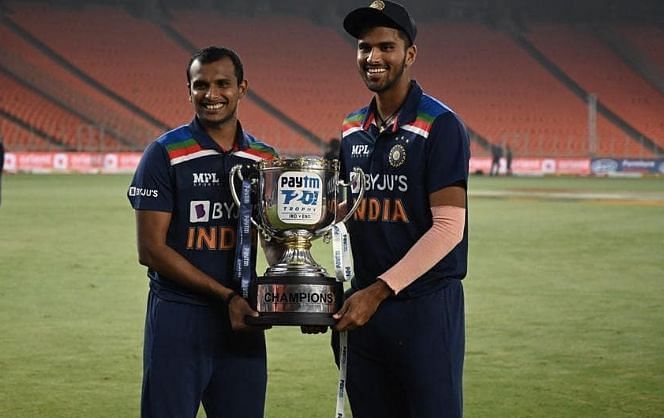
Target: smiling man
[197, 346]
[405, 309]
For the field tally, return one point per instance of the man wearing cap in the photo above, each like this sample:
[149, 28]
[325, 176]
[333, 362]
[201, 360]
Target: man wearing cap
[405, 312]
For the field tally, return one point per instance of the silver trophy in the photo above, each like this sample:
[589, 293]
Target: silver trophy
[298, 201]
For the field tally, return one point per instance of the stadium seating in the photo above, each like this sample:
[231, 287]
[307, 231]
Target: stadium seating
[598, 70]
[648, 40]
[130, 56]
[43, 115]
[18, 138]
[308, 75]
[27, 62]
[505, 95]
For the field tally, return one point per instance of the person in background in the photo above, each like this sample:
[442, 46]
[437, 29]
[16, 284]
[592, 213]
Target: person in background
[2, 164]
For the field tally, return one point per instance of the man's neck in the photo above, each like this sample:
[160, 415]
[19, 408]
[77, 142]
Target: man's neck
[223, 134]
[388, 102]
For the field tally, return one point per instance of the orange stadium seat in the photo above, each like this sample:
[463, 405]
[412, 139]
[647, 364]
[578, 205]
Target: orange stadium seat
[648, 40]
[500, 91]
[18, 138]
[503, 94]
[68, 129]
[29, 63]
[598, 70]
[130, 56]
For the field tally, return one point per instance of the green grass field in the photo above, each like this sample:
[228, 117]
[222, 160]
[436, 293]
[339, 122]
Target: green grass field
[564, 301]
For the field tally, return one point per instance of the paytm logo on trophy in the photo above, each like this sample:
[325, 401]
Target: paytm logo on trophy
[299, 197]
[297, 201]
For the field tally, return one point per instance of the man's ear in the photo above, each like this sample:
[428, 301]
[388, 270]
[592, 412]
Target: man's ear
[411, 54]
[243, 87]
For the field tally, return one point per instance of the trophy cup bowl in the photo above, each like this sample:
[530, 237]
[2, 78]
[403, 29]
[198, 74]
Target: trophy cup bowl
[298, 201]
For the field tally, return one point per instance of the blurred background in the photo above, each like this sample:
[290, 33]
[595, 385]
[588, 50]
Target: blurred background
[563, 79]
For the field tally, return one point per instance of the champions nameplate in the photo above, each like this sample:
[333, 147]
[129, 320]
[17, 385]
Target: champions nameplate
[298, 201]
[294, 301]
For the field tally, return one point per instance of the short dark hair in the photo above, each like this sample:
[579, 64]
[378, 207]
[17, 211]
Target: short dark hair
[213, 54]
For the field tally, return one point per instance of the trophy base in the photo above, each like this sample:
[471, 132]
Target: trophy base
[295, 300]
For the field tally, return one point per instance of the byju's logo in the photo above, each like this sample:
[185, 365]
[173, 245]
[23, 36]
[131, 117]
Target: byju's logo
[205, 179]
[358, 151]
[199, 211]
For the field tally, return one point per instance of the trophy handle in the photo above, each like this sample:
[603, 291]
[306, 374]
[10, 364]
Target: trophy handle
[359, 176]
[237, 171]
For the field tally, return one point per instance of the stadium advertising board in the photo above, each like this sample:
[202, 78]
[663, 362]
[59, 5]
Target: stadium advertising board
[126, 162]
[602, 166]
[71, 162]
[534, 166]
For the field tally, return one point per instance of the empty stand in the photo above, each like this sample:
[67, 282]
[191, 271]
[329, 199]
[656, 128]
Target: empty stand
[18, 138]
[648, 39]
[131, 57]
[504, 94]
[579, 53]
[36, 69]
[64, 127]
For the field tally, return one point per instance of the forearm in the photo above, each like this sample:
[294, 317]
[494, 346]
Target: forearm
[445, 234]
[168, 262]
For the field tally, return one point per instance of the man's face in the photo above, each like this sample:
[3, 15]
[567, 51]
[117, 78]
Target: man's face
[214, 91]
[382, 58]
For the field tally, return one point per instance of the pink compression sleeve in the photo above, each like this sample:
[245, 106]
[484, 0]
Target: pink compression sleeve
[445, 233]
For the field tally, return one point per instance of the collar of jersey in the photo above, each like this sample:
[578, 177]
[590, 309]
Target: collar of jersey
[205, 140]
[408, 111]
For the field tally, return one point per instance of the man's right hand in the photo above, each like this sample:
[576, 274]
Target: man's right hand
[238, 309]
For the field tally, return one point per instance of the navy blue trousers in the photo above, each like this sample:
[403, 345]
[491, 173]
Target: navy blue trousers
[191, 356]
[407, 361]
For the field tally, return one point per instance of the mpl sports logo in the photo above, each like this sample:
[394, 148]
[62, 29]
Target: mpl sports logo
[299, 197]
[359, 151]
[205, 179]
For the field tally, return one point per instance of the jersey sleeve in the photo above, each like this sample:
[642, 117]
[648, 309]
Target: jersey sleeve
[448, 153]
[151, 188]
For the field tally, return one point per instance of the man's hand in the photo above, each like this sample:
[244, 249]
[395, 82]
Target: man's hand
[360, 307]
[238, 309]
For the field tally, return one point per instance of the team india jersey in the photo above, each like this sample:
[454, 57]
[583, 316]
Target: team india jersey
[185, 172]
[423, 151]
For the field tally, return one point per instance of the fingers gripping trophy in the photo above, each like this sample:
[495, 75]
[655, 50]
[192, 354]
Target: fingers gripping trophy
[297, 200]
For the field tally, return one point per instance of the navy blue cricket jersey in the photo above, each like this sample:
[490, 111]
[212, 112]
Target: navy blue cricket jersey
[185, 172]
[425, 150]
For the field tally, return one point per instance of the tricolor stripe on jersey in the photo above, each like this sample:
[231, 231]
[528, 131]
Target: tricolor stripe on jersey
[185, 149]
[421, 125]
[257, 151]
[353, 122]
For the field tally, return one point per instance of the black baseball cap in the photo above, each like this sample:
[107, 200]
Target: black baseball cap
[380, 13]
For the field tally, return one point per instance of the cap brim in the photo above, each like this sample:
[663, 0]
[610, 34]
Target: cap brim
[366, 17]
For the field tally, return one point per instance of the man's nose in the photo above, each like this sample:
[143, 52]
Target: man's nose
[374, 55]
[213, 92]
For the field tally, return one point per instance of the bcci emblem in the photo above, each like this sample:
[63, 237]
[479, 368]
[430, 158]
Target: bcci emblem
[377, 5]
[397, 155]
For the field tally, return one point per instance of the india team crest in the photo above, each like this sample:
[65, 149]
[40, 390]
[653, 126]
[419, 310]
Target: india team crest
[397, 155]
